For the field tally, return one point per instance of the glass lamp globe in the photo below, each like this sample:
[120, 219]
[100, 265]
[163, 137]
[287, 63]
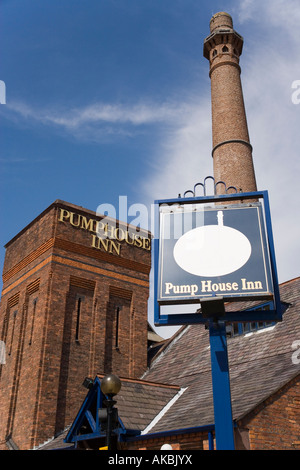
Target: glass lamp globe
[166, 447]
[110, 384]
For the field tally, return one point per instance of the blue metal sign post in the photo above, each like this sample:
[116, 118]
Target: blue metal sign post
[221, 387]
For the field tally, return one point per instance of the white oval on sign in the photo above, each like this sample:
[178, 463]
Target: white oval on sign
[212, 250]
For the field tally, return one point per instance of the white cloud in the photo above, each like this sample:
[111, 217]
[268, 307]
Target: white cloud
[98, 113]
[103, 122]
[136, 114]
[246, 10]
[282, 14]
[271, 67]
[183, 158]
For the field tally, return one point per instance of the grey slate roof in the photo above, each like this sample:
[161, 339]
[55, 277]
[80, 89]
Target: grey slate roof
[260, 364]
[139, 402]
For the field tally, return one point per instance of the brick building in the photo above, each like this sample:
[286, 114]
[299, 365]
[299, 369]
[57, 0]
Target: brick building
[73, 304]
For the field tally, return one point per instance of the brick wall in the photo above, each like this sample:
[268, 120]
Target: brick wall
[58, 321]
[23, 331]
[191, 441]
[275, 424]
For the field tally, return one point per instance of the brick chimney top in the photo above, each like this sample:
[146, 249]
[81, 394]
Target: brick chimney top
[220, 20]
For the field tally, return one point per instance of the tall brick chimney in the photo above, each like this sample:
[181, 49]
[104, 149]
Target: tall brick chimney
[232, 151]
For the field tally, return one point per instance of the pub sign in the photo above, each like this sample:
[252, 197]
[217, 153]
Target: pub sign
[214, 248]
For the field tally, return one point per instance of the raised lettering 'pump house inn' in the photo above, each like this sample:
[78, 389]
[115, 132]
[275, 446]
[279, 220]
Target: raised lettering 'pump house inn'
[105, 235]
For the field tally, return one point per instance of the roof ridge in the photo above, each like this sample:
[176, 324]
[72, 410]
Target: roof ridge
[143, 382]
[163, 411]
[289, 280]
[267, 397]
[169, 342]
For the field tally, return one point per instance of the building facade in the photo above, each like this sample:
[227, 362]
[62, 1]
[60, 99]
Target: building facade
[73, 304]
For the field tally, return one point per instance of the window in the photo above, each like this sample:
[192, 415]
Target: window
[214, 53]
[225, 49]
[32, 322]
[78, 308]
[237, 329]
[117, 327]
[118, 330]
[12, 331]
[10, 322]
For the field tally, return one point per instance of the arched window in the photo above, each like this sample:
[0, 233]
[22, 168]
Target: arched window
[215, 53]
[225, 49]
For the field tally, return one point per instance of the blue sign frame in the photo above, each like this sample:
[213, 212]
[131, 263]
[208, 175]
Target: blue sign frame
[171, 311]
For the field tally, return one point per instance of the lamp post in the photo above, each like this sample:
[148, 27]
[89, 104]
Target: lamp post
[110, 386]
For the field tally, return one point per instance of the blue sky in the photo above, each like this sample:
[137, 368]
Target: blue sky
[112, 97]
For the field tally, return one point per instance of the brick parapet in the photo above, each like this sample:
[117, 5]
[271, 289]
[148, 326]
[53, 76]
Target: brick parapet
[54, 347]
